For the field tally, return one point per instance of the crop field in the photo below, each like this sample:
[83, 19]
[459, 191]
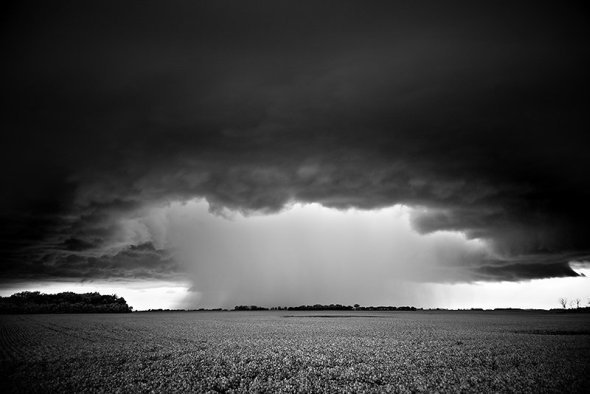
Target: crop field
[283, 351]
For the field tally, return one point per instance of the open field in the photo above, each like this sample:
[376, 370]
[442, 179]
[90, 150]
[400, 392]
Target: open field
[283, 351]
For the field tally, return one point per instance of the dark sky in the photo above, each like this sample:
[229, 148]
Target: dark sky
[474, 113]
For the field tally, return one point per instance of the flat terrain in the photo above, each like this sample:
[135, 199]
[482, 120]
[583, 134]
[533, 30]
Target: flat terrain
[284, 351]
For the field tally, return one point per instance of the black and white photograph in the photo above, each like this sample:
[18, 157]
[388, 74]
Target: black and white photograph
[257, 196]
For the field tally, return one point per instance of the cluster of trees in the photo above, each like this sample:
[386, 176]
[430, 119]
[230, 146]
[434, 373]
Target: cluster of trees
[576, 303]
[249, 308]
[331, 307]
[68, 302]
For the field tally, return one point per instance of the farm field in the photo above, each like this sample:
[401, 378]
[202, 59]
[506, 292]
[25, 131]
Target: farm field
[286, 351]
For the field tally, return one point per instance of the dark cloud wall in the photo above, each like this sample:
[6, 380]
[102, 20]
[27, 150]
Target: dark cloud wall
[476, 113]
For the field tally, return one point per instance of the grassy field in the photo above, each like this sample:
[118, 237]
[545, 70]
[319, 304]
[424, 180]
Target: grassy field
[284, 351]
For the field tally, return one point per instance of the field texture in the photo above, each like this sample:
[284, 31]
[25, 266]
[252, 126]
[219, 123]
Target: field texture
[296, 352]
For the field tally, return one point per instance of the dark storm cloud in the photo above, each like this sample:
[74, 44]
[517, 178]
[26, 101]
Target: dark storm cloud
[529, 266]
[133, 262]
[475, 113]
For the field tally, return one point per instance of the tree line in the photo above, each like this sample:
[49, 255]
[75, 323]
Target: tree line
[320, 307]
[67, 302]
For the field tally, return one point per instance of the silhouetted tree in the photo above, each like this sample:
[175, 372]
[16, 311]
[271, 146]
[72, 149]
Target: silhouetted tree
[577, 301]
[563, 302]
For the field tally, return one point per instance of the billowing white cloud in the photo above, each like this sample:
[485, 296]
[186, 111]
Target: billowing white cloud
[304, 254]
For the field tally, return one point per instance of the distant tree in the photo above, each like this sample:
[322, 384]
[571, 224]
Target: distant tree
[563, 302]
[572, 304]
[577, 301]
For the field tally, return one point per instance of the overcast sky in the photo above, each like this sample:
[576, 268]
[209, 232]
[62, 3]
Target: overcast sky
[295, 152]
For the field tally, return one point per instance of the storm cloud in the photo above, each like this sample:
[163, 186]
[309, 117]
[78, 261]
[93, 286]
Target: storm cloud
[472, 115]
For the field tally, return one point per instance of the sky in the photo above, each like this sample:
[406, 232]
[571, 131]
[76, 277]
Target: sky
[212, 154]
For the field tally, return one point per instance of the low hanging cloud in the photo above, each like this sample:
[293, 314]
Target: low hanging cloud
[472, 116]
